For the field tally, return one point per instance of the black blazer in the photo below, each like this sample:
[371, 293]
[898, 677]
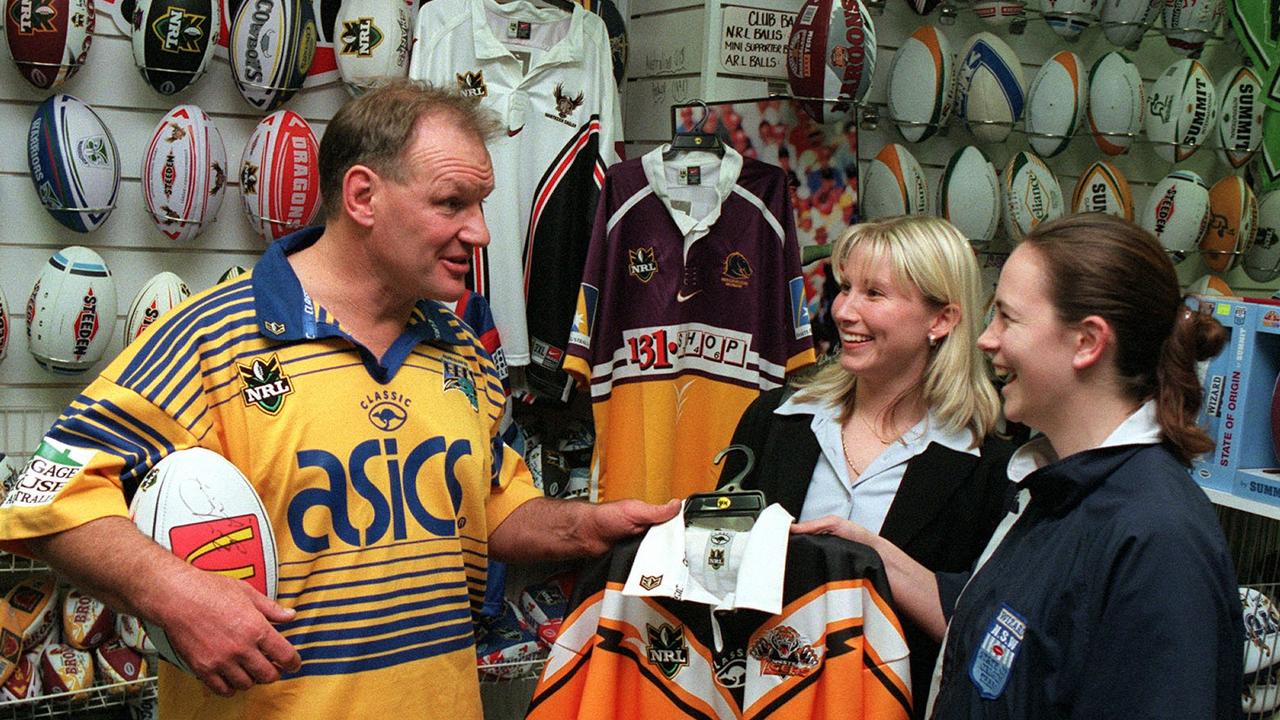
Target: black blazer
[945, 511]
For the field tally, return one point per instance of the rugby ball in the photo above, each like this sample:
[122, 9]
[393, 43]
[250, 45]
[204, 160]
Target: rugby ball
[1125, 21]
[200, 507]
[130, 631]
[1103, 188]
[1188, 23]
[1177, 212]
[86, 622]
[48, 39]
[1233, 221]
[1240, 116]
[372, 43]
[280, 176]
[922, 84]
[31, 610]
[894, 184]
[71, 313]
[24, 682]
[1182, 110]
[1210, 285]
[231, 273]
[158, 296]
[999, 12]
[989, 88]
[1261, 630]
[1056, 104]
[64, 669]
[271, 47]
[969, 195]
[1262, 260]
[1069, 18]
[184, 173]
[73, 162]
[4, 324]
[616, 27]
[1032, 194]
[1117, 103]
[174, 40]
[118, 663]
[831, 53]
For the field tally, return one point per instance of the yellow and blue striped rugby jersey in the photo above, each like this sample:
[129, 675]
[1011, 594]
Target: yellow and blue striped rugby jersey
[382, 480]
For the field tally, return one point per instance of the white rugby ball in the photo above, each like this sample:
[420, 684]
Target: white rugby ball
[373, 41]
[131, 632]
[1233, 222]
[1124, 21]
[1103, 188]
[922, 84]
[1182, 110]
[894, 185]
[73, 163]
[969, 195]
[989, 88]
[158, 296]
[1240, 116]
[831, 53]
[200, 507]
[1032, 194]
[1188, 23]
[280, 175]
[1069, 18]
[271, 47]
[4, 324]
[1177, 212]
[184, 173]
[999, 12]
[1262, 260]
[1261, 630]
[1056, 104]
[71, 312]
[1117, 103]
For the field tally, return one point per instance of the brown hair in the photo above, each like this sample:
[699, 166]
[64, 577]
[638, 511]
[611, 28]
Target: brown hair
[375, 128]
[1103, 265]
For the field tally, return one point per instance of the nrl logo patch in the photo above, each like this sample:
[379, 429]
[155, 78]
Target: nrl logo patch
[33, 16]
[360, 37]
[783, 651]
[265, 385]
[642, 263]
[667, 649]
[457, 376]
[649, 582]
[737, 271]
[471, 84]
[179, 31]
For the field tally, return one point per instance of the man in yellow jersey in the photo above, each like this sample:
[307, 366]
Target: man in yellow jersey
[377, 455]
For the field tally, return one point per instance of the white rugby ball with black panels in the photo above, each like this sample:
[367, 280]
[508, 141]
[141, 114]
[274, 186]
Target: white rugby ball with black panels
[1069, 18]
[271, 47]
[73, 163]
[1117, 103]
[1188, 23]
[999, 12]
[184, 173]
[49, 39]
[71, 312]
[1177, 212]
[922, 84]
[969, 195]
[1240, 116]
[280, 176]
[1103, 188]
[1056, 103]
[831, 54]
[173, 41]
[1261, 261]
[158, 296]
[1032, 194]
[1182, 110]
[1125, 21]
[990, 88]
[894, 185]
[373, 42]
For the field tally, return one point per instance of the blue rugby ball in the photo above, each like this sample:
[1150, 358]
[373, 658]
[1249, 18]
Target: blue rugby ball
[73, 162]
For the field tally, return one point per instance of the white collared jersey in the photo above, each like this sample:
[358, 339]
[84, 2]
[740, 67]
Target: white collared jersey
[547, 75]
[692, 303]
[834, 651]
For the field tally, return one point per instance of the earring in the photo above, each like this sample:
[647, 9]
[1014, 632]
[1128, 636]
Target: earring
[933, 341]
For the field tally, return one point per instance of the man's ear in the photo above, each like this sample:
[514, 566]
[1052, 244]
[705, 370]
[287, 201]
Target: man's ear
[1093, 337]
[359, 186]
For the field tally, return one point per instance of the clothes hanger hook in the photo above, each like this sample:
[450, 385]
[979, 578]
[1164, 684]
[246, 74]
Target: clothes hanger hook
[737, 480]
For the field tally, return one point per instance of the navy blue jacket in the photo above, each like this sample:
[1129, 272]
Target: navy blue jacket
[1113, 596]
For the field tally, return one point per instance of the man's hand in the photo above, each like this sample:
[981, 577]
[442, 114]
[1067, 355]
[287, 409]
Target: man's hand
[547, 529]
[621, 519]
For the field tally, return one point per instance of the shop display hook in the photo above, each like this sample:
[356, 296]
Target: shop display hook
[729, 507]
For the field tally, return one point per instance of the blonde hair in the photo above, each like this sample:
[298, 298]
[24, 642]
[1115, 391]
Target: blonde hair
[931, 255]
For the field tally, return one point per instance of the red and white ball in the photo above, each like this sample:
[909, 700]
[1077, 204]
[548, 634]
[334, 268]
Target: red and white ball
[373, 42]
[71, 312]
[1240, 116]
[922, 84]
[158, 296]
[1032, 194]
[831, 53]
[1182, 110]
[1056, 103]
[969, 195]
[64, 669]
[999, 12]
[1117, 103]
[1188, 23]
[118, 663]
[184, 173]
[1103, 188]
[132, 633]
[894, 185]
[1177, 212]
[24, 682]
[989, 88]
[1233, 222]
[1124, 21]
[86, 622]
[48, 39]
[280, 175]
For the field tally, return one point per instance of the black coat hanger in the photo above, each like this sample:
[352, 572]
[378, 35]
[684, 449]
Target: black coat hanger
[729, 507]
[699, 139]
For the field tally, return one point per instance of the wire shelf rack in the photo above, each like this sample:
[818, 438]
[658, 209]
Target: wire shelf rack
[76, 704]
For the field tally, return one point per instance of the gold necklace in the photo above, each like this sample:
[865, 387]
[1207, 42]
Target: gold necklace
[845, 446]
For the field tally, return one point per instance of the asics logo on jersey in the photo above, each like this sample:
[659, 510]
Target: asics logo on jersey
[387, 416]
[388, 481]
